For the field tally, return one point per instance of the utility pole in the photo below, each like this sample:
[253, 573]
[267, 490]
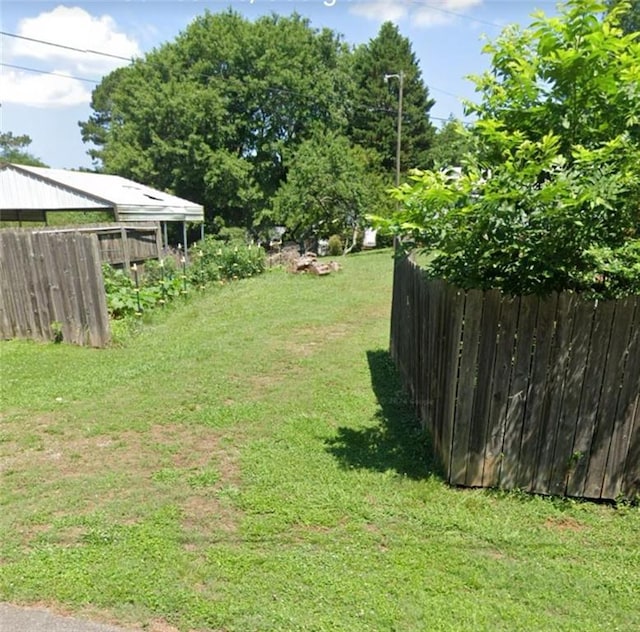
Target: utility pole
[400, 77]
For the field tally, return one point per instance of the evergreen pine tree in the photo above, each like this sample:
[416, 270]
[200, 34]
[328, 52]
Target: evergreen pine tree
[375, 114]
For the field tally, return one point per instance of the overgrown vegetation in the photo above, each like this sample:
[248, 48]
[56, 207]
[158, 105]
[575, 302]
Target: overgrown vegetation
[248, 462]
[157, 283]
[549, 198]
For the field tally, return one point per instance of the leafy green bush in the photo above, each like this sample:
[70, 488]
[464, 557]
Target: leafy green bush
[549, 199]
[159, 282]
[166, 276]
[335, 246]
[123, 297]
[214, 260]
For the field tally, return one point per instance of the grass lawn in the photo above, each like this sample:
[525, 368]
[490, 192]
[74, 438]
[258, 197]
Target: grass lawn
[249, 463]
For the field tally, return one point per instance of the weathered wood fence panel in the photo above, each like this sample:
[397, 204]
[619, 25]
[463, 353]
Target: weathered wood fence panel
[120, 244]
[51, 284]
[540, 394]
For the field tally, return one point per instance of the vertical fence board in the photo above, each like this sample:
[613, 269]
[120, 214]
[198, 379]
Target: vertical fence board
[504, 368]
[406, 356]
[612, 382]
[419, 355]
[16, 285]
[84, 258]
[467, 377]
[28, 298]
[19, 303]
[518, 388]
[535, 408]
[72, 264]
[429, 324]
[563, 460]
[444, 315]
[101, 332]
[8, 305]
[439, 325]
[629, 397]
[483, 388]
[455, 298]
[594, 375]
[55, 280]
[554, 392]
[6, 327]
[91, 290]
[396, 312]
[410, 340]
[39, 288]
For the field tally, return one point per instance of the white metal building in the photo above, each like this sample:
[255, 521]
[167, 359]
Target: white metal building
[27, 194]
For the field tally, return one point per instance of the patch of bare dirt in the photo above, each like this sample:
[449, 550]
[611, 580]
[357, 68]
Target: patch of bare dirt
[307, 341]
[204, 516]
[564, 524]
[138, 457]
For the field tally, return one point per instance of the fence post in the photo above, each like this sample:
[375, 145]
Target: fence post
[125, 250]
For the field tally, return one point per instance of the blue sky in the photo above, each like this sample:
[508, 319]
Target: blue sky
[446, 35]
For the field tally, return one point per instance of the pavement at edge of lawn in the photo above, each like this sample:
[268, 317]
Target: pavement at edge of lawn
[22, 619]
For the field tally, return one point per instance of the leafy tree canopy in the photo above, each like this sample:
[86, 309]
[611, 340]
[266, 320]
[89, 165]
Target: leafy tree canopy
[14, 149]
[630, 17]
[450, 146]
[330, 188]
[550, 200]
[211, 115]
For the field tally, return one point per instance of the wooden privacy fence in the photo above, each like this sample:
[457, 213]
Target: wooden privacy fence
[50, 285]
[120, 244]
[539, 394]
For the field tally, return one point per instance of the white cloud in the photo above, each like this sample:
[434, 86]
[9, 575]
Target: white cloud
[43, 90]
[422, 13]
[382, 10]
[71, 27]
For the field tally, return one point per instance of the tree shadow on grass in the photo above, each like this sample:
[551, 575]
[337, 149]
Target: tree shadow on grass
[396, 442]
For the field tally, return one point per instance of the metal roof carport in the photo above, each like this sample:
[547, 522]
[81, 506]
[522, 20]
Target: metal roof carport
[28, 193]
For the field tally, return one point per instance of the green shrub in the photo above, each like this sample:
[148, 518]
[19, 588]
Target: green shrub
[214, 260]
[123, 297]
[165, 280]
[335, 246]
[549, 199]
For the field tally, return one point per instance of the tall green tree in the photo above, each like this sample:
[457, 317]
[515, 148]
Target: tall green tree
[373, 122]
[451, 145]
[211, 115]
[14, 149]
[331, 186]
[630, 14]
[552, 199]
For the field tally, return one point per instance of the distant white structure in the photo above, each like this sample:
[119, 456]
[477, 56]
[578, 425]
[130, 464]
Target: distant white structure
[369, 239]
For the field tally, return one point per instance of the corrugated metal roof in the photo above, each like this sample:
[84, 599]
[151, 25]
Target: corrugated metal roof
[25, 191]
[39, 188]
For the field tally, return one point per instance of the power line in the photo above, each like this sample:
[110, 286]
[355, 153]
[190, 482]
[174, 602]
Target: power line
[73, 48]
[48, 72]
[423, 3]
[272, 89]
[456, 14]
